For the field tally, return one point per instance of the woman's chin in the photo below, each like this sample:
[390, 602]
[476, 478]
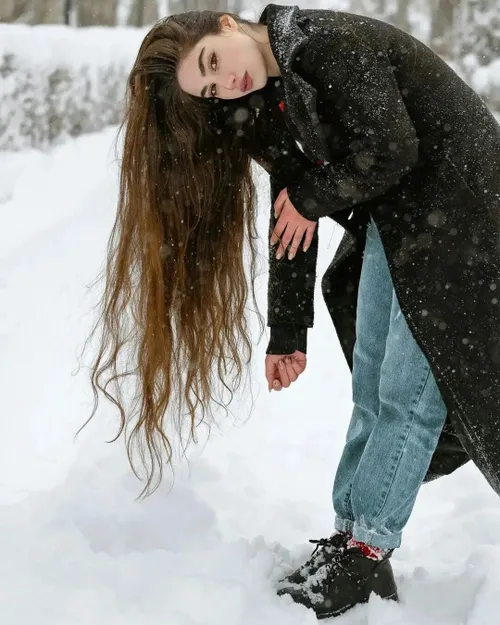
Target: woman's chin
[260, 83]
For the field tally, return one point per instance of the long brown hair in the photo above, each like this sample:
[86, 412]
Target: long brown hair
[173, 311]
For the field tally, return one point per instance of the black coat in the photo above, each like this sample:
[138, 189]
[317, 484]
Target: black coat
[399, 136]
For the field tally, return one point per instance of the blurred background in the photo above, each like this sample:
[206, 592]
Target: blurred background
[63, 63]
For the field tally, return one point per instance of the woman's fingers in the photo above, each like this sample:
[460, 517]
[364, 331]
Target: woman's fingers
[277, 385]
[283, 373]
[280, 201]
[286, 239]
[270, 372]
[283, 243]
[280, 221]
[278, 230]
[293, 373]
[308, 238]
[296, 366]
[295, 244]
[289, 371]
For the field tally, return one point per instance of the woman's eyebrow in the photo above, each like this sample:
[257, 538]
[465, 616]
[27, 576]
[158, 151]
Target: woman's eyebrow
[202, 70]
[200, 62]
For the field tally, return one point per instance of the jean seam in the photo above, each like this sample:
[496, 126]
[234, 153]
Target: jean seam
[387, 484]
[347, 501]
[398, 461]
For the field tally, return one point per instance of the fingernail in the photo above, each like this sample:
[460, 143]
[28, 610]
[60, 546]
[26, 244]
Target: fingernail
[291, 255]
[306, 248]
[279, 255]
[281, 364]
[276, 383]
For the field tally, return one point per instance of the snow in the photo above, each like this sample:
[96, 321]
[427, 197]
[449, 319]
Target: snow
[78, 549]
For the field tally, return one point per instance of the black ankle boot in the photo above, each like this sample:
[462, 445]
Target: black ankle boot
[326, 550]
[346, 582]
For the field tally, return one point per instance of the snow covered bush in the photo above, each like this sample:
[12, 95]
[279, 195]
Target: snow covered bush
[58, 81]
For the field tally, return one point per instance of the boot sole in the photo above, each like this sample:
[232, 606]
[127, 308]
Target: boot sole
[393, 597]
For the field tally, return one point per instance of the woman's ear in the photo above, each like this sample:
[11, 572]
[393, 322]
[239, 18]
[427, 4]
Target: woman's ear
[227, 22]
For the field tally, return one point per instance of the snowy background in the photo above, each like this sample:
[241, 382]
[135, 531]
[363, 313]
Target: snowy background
[75, 546]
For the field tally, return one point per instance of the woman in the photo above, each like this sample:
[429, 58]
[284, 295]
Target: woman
[395, 148]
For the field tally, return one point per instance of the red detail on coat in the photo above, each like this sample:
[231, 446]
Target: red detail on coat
[282, 108]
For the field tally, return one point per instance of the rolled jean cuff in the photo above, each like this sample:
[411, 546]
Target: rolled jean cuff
[370, 537]
[344, 525]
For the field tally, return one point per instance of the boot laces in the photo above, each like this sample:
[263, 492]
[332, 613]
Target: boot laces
[320, 543]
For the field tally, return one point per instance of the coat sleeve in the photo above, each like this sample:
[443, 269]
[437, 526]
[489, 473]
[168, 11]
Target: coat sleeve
[359, 85]
[291, 284]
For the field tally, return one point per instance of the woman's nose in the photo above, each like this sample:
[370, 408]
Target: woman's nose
[231, 82]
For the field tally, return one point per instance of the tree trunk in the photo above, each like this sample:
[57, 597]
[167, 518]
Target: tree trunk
[401, 19]
[67, 10]
[48, 12]
[12, 10]
[180, 6]
[143, 12]
[370, 8]
[442, 24]
[96, 12]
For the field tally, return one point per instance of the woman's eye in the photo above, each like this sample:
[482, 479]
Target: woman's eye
[213, 65]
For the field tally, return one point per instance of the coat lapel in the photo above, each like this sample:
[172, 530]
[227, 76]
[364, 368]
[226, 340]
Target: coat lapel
[286, 39]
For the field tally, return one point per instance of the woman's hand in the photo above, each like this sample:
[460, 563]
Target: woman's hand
[294, 226]
[282, 375]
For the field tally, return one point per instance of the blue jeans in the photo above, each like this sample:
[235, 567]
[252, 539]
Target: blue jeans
[397, 417]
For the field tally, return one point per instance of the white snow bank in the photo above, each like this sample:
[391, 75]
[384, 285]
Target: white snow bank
[75, 547]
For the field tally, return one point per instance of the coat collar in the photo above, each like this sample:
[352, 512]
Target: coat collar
[286, 38]
[285, 35]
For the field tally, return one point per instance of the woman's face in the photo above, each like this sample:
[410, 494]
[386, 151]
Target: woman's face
[227, 66]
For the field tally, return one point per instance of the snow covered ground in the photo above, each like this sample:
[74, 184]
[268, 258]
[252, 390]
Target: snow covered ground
[77, 549]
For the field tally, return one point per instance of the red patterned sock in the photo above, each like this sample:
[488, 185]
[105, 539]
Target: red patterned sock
[374, 553]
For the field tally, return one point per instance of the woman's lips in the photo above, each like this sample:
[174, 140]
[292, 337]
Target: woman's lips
[246, 83]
